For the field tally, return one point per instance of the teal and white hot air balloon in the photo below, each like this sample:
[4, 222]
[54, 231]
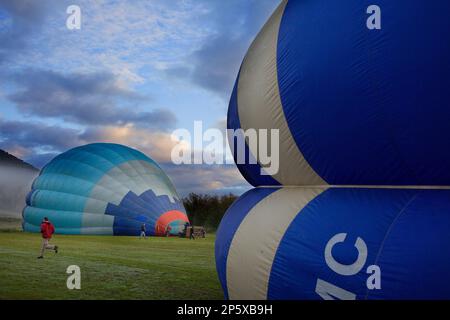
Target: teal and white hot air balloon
[107, 189]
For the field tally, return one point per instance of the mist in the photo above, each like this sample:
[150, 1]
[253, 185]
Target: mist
[15, 183]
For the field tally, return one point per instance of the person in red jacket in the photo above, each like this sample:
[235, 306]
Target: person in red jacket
[47, 230]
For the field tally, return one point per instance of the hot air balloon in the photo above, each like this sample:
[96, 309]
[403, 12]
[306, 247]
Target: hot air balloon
[354, 105]
[106, 189]
[333, 243]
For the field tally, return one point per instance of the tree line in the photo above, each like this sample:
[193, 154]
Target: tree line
[207, 210]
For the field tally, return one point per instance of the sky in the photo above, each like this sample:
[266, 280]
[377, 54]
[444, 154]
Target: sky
[133, 73]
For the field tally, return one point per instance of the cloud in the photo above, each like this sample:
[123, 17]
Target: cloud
[215, 64]
[202, 40]
[155, 143]
[217, 179]
[88, 99]
[38, 143]
[122, 37]
[19, 20]
[90, 92]
[26, 136]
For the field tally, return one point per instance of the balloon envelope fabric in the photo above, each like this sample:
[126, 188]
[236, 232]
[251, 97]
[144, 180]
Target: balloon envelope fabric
[319, 243]
[106, 189]
[353, 105]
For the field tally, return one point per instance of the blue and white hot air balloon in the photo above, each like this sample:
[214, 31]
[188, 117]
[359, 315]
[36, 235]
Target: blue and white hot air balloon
[353, 105]
[336, 243]
[104, 188]
[358, 91]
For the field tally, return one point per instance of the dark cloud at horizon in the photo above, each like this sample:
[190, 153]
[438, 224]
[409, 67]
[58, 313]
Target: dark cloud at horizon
[216, 179]
[87, 99]
[38, 143]
[36, 135]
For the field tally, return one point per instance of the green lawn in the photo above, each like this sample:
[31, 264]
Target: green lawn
[111, 268]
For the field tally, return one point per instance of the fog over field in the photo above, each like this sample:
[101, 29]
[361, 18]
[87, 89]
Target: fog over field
[16, 178]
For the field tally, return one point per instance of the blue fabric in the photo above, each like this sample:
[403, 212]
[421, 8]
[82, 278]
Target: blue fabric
[364, 106]
[73, 174]
[98, 156]
[361, 213]
[415, 244]
[407, 236]
[28, 198]
[135, 210]
[61, 201]
[36, 229]
[229, 225]
[251, 172]
[61, 219]
[407, 233]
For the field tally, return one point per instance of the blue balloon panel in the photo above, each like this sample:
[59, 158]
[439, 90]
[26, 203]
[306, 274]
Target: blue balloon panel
[336, 243]
[354, 105]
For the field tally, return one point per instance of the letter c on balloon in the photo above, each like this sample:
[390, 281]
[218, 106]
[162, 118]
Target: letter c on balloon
[343, 269]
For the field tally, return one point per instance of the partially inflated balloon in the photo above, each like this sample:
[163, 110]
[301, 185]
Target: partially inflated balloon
[336, 243]
[104, 189]
[359, 93]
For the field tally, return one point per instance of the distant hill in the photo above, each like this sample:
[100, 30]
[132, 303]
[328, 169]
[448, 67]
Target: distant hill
[8, 159]
[16, 177]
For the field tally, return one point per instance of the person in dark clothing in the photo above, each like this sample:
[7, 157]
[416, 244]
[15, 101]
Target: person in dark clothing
[168, 230]
[186, 225]
[143, 231]
[192, 236]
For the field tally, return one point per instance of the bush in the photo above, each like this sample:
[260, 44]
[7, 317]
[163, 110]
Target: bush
[207, 210]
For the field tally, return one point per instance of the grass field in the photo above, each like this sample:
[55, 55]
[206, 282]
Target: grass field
[111, 267]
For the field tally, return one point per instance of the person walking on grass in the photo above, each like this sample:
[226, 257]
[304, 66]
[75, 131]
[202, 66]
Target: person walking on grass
[47, 230]
[143, 230]
[192, 235]
[186, 225]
